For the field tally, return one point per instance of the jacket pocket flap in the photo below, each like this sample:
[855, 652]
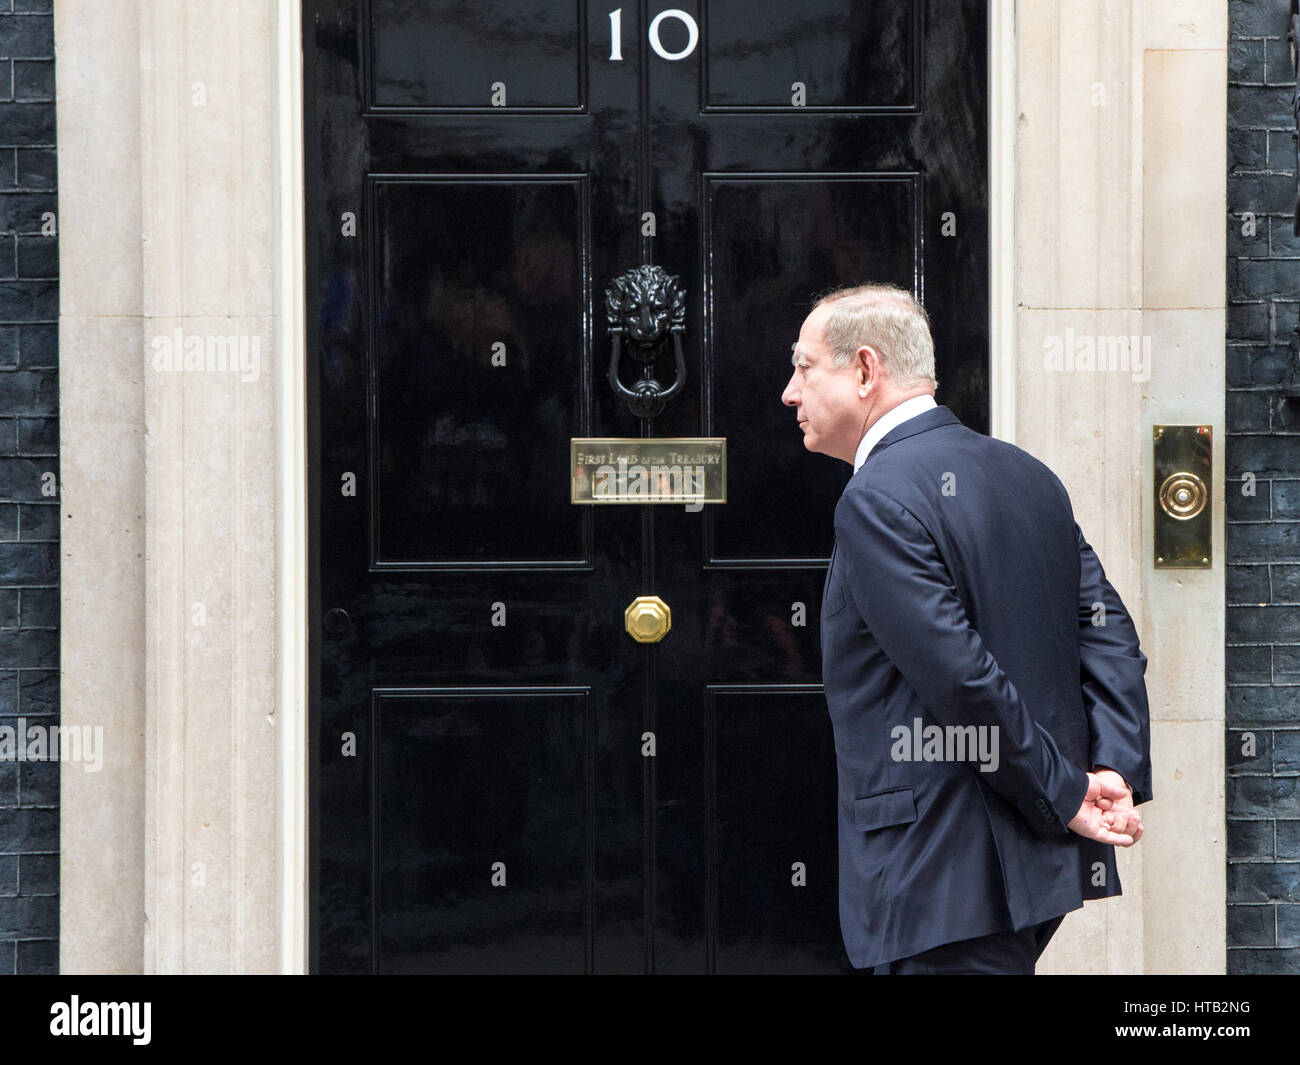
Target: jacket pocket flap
[885, 808]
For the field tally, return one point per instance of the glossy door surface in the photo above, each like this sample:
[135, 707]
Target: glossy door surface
[503, 780]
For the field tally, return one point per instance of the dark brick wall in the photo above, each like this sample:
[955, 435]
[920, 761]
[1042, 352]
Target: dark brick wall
[1263, 531]
[29, 512]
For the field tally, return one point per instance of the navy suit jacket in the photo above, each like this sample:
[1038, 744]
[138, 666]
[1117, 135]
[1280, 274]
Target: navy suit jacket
[961, 593]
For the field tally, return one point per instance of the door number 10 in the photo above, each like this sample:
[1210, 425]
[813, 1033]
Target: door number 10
[692, 34]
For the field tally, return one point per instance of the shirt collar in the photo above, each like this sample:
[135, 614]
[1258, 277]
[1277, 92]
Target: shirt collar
[892, 418]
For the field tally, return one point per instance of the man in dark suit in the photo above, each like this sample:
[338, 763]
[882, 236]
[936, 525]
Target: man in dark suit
[984, 680]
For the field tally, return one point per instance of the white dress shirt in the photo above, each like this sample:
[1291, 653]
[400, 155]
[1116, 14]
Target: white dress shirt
[891, 419]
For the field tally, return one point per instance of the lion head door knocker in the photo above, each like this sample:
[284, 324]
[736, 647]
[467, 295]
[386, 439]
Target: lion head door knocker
[644, 307]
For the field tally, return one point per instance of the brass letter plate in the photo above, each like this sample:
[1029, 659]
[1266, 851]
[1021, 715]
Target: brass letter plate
[676, 469]
[1183, 514]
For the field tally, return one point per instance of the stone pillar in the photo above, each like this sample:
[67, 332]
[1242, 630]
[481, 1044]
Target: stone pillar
[170, 480]
[1120, 201]
[102, 442]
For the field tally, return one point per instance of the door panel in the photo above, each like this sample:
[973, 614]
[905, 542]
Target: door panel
[767, 242]
[446, 56]
[848, 55]
[478, 303]
[772, 812]
[502, 779]
[472, 779]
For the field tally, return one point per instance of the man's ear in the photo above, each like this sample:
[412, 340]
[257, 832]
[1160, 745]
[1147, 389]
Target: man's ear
[864, 369]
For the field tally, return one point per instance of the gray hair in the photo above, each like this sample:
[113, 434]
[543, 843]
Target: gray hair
[888, 319]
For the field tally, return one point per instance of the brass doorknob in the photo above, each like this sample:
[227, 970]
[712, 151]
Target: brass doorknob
[647, 619]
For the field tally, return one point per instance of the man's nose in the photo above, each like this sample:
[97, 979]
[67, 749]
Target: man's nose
[790, 397]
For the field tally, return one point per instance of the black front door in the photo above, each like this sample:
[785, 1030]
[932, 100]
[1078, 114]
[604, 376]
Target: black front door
[502, 778]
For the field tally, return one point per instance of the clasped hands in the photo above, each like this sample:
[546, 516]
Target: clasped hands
[1107, 813]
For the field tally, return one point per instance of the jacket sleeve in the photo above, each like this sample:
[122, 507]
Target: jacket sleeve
[1111, 668]
[904, 593]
